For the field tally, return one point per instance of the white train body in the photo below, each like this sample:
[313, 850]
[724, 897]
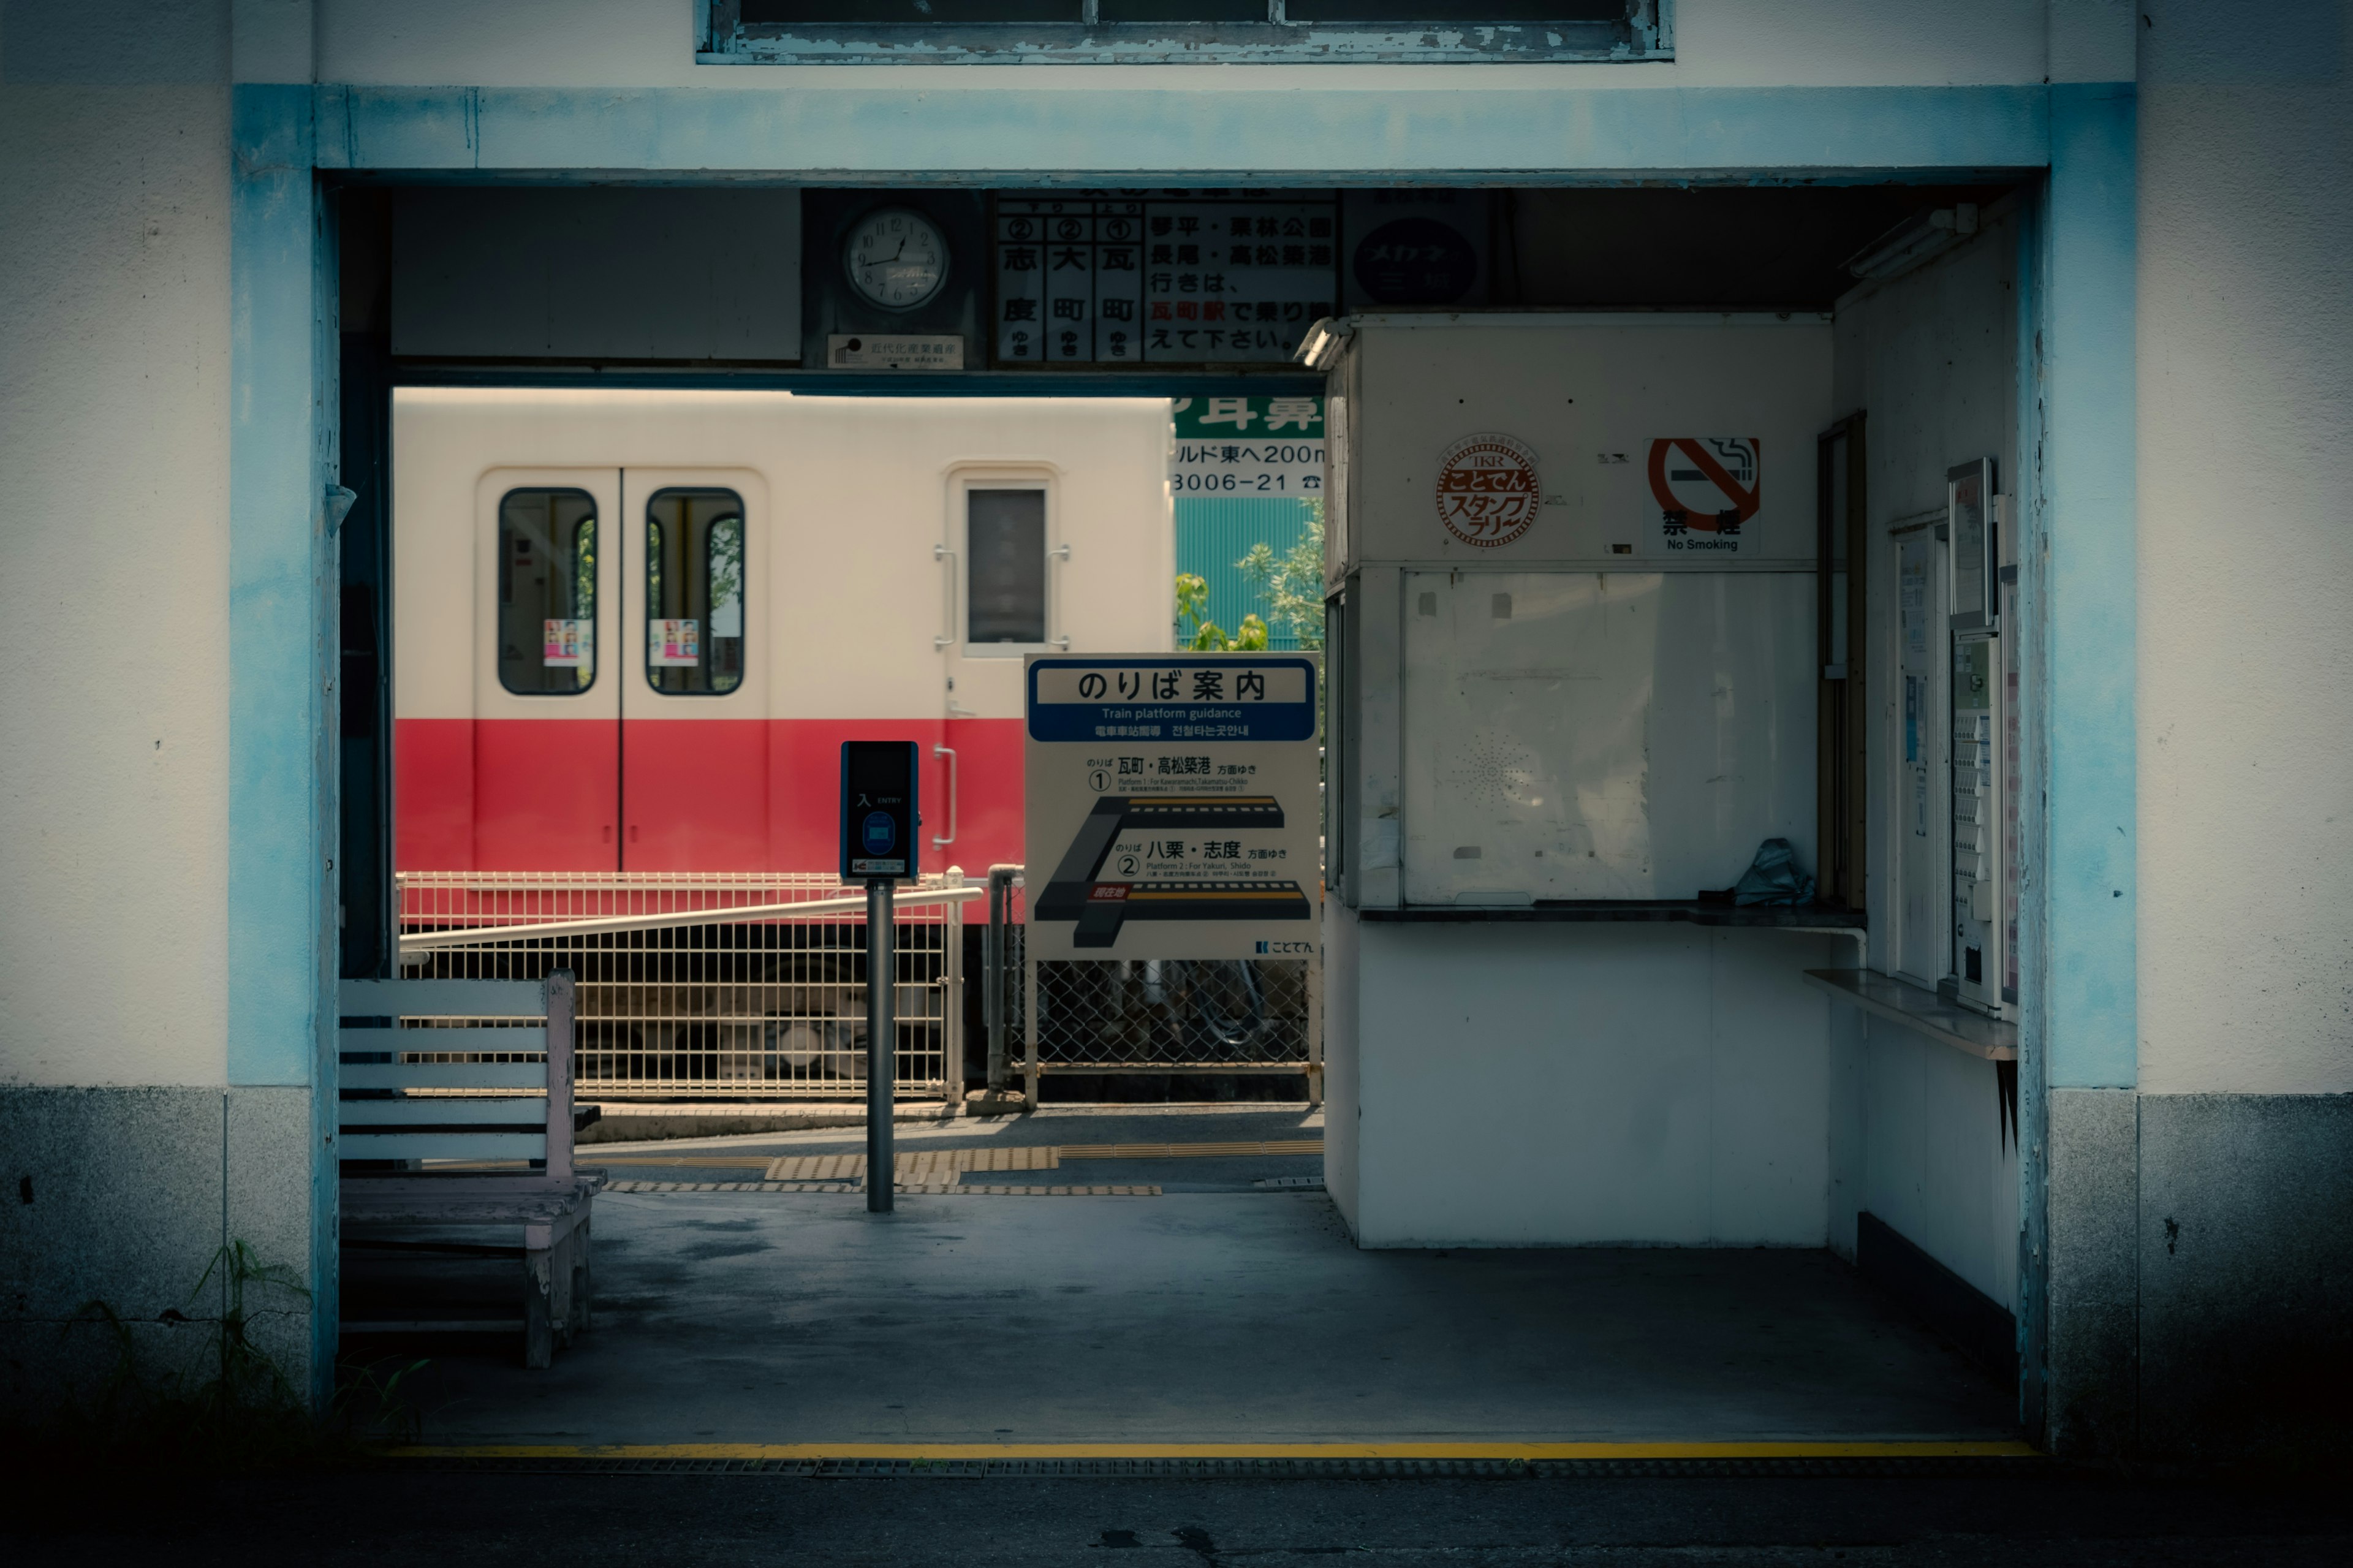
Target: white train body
[632, 627]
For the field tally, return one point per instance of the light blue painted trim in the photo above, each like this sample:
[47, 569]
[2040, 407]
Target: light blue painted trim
[1182, 43]
[979, 136]
[281, 824]
[2086, 317]
[2025, 481]
[276, 555]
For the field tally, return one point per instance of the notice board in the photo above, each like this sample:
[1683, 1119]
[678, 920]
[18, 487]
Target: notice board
[1603, 734]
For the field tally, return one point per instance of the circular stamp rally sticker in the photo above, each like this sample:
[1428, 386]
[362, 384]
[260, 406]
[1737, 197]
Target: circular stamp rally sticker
[1487, 492]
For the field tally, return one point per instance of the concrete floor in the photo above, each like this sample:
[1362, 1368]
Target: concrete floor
[1199, 1317]
[726, 1159]
[2035, 1517]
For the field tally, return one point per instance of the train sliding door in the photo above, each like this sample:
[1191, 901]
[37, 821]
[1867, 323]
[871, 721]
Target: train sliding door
[693, 706]
[543, 779]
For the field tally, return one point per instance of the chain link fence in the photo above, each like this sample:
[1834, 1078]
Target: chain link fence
[1147, 1015]
[721, 992]
[1143, 1015]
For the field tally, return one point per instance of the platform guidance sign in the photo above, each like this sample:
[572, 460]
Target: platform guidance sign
[1172, 805]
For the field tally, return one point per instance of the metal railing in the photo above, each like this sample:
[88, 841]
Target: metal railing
[1140, 1015]
[708, 987]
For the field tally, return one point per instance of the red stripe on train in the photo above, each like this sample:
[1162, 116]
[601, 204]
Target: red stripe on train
[683, 794]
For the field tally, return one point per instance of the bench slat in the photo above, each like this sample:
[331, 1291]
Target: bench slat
[443, 1110]
[442, 1075]
[440, 999]
[443, 1146]
[443, 1040]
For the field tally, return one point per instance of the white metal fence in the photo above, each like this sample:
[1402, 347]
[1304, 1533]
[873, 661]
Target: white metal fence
[761, 1000]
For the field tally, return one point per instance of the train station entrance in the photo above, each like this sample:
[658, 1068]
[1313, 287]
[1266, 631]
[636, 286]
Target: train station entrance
[1643, 1071]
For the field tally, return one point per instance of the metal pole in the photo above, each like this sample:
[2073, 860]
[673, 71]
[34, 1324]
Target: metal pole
[881, 1031]
[993, 1008]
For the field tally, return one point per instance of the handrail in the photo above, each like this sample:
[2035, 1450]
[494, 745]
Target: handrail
[425, 940]
[949, 752]
[942, 643]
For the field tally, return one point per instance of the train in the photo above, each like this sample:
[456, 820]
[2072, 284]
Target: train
[632, 627]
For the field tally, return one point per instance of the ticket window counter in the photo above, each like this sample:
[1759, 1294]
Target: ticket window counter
[1577, 675]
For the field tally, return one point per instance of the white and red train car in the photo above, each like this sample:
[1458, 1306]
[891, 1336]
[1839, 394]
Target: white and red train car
[633, 627]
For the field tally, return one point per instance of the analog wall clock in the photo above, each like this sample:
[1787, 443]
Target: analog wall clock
[895, 258]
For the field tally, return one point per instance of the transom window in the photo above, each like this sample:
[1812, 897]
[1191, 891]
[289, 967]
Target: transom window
[980, 32]
[1005, 584]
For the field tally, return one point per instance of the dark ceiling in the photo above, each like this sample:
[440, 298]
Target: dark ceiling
[1749, 249]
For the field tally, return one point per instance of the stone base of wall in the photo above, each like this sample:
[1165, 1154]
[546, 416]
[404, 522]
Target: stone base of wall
[117, 1204]
[2201, 1274]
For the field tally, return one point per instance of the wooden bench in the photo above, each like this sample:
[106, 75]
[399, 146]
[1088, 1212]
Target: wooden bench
[407, 1096]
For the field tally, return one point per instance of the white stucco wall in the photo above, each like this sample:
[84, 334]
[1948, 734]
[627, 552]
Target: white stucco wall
[1803, 43]
[2246, 549]
[114, 373]
[1931, 357]
[1564, 1085]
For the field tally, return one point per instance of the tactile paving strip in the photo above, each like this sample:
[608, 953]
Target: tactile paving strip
[935, 1188]
[1242, 1469]
[1191, 1151]
[922, 1165]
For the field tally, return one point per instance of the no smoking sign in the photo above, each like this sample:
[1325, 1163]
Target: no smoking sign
[1706, 489]
[1487, 490]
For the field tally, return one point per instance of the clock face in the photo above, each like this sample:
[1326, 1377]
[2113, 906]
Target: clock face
[896, 259]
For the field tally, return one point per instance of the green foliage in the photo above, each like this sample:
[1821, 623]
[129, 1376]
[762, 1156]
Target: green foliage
[1205, 635]
[244, 1413]
[1291, 585]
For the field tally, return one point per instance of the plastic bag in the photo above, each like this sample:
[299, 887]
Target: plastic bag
[1773, 878]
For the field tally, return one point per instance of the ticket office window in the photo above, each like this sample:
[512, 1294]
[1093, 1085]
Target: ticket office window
[694, 591]
[1004, 569]
[547, 591]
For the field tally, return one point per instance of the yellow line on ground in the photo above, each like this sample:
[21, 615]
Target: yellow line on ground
[1188, 1150]
[1905, 1449]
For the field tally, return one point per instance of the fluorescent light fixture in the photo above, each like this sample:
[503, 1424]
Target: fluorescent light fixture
[1320, 349]
[1913, 241]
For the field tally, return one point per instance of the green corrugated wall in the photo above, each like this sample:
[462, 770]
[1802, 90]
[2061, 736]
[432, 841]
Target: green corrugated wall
[1212, 533]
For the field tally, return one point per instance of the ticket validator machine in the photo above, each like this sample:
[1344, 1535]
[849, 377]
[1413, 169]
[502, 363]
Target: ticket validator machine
[1980, 697]
[879, 823]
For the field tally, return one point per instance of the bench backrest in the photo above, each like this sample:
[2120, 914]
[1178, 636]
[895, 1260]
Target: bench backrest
[393, 1099]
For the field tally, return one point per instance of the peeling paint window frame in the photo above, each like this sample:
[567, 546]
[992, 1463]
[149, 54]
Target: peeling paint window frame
[722, 39]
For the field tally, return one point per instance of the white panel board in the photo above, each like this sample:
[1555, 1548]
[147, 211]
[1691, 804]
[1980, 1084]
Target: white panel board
[607, 273]
[1603, 735]
[1572, 1084]
[1625, 418]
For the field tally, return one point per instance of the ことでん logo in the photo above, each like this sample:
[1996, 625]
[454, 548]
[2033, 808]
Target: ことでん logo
[1487, 492]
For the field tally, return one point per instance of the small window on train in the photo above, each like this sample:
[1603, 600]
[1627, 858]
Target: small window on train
[547, 591]
[1005, 548]
[694, 591]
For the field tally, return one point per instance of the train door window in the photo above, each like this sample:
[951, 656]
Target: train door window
[547, 591]
[1005, 554]
[694, 591]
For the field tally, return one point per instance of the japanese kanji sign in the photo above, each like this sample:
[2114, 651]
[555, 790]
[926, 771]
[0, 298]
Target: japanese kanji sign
[1171, 277]
[1264, 446]
[1487, 490]
[1171, 807]
[1704, 489]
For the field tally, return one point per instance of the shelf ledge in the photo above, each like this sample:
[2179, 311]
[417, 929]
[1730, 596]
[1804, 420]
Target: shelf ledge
[1919, 1010]
[1802, 916]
